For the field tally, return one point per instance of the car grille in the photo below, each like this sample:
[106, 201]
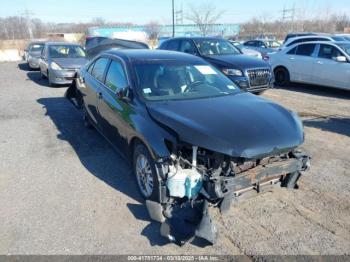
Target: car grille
[259, 77]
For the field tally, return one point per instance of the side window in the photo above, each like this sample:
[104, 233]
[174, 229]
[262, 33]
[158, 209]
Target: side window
[260, 44]
[116, 78]
[187, 47]
[99, 68]
[91, 67]
[292, 51]
[173, 45]
[305, 49]
[328, 52]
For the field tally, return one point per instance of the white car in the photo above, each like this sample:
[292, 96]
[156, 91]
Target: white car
[319, 63]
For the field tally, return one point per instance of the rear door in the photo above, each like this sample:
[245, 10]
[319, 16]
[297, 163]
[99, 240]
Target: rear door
[94, 82]
[115, 111]
[302, 63]
[330, 72]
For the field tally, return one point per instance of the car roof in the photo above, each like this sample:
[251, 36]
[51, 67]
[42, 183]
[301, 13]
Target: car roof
[148, 55]
[317, 42]
[309, 36]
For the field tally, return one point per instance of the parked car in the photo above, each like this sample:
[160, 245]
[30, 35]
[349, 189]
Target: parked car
[95, 45]
[319, 63]
[60, 60]
[246, 51]
[247, 72]
[192, 136]
[291, 35]
[303, 39]
[32, 54]
[263, 46]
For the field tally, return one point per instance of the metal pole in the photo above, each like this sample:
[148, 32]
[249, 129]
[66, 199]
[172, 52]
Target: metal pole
[173, 18]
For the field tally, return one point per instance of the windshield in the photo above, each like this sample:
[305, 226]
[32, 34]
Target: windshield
[66, 51]
[346, 48]
[171, 80]
[209, 47]
[36, 48]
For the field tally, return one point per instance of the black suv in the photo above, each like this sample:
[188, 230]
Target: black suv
[249, 73]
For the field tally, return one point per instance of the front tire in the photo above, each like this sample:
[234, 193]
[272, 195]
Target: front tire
[145, 173]
[42, 75]
[282, 77]
[49, 80]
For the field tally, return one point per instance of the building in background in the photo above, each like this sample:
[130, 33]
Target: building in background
[139, 33]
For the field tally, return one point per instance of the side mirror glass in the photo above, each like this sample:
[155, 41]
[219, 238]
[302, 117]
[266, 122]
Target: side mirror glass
[340, 59]
[124, 94]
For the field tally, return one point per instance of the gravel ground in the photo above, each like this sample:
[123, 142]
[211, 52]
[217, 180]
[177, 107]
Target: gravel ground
[65, 191]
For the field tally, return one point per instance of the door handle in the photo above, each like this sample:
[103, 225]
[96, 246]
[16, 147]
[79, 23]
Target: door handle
[291, 58]
[100, 96]
[320, 62]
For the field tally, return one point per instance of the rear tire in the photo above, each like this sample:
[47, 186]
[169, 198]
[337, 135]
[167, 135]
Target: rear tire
[282, 77]
[86, 118]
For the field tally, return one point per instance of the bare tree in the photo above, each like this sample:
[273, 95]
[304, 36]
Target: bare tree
[204, 16]
[153, 29]
[98, 21]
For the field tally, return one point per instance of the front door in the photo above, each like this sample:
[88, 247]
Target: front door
[330, 72]
[114, 111]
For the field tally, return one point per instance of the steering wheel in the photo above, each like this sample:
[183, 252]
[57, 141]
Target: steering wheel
[192, 86]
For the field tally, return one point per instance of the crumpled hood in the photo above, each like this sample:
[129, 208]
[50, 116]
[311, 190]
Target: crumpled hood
[238, 61]
[75, 63]
[242, 125]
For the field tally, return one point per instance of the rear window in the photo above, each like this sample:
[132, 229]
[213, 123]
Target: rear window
[99, 68]
[172, 45]
[305, 50]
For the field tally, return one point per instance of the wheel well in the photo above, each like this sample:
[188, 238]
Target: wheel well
[280, 67]
[134, 141]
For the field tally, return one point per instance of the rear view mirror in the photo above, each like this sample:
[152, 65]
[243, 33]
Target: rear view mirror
[340, 59]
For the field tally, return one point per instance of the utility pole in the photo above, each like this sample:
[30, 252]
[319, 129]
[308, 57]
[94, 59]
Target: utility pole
[173, 7]
[27, 14]
[288, 15]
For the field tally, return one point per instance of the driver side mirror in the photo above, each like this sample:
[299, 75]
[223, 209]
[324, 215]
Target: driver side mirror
[340, 59]
[124, 94]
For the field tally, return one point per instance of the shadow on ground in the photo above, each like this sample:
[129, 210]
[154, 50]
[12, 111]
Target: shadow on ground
[24, 67]
[339, 125]
[36, 78]
[317, 90]
[99, 158]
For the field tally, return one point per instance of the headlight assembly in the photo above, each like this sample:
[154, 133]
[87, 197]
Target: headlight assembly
[232, 72]
[55, 66]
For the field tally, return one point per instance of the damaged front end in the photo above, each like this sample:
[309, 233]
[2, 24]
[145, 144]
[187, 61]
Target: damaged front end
[196, 180]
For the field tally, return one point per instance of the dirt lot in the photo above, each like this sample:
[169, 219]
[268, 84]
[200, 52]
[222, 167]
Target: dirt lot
[65, 191]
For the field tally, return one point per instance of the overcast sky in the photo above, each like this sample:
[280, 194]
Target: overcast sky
[143, 11]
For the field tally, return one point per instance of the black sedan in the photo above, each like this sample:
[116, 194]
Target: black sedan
[193, 138]
[249, 73]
